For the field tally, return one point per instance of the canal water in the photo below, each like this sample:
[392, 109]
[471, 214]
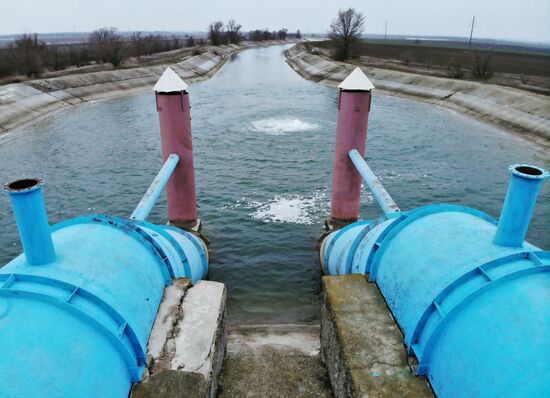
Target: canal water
[263, 141]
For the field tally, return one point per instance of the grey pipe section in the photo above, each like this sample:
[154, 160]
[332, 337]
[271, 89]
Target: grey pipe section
[382, 196]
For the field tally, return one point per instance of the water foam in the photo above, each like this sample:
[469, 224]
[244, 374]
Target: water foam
[282, 126]
[293, 208]
[296, 209]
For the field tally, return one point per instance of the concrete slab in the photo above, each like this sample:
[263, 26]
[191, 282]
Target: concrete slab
[361, 344]
[167, 316]
[299, 338]
[203, 312]
[274, 361]
[187, 344]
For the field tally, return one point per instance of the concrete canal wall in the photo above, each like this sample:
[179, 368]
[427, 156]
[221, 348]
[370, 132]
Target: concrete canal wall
[361, 344]
[23, 102]
[515, 109]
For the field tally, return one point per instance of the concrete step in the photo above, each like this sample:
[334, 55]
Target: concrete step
[274, 361]
[361, 343]
[187, 344]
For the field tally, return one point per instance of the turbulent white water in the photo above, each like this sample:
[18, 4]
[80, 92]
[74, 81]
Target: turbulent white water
[289, 209]
[282, 126]
[263, 140]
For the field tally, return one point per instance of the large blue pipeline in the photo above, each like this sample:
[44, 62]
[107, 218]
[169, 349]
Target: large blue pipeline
[470, 295]
[77, 307]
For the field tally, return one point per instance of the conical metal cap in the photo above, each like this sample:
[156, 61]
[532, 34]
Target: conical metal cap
[170, 82]
[356, 81]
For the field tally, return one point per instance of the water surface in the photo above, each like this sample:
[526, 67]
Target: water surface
[263, 141]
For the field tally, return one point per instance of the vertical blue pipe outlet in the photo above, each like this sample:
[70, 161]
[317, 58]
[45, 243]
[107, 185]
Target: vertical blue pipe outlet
[32, 220]
[519, 204]
[470, 296]
[79, 325]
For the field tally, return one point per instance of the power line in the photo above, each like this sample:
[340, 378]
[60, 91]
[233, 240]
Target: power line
[472, 31]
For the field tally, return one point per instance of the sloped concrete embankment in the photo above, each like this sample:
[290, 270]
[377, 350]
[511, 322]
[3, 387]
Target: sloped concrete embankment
[23, 102]
[515, 109]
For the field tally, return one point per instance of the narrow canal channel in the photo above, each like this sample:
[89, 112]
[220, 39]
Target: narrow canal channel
[263, 141]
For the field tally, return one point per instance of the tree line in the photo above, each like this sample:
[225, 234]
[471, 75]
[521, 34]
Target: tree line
[231, 33]
[29, 56]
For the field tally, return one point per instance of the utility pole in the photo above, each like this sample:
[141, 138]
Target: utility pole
[472, 31]
[386, 31]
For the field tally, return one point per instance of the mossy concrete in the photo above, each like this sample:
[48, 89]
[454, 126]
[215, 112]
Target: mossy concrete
[276, 361]
[172, 384]
[361, 344]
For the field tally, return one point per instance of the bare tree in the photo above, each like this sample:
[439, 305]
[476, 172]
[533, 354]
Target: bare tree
[233, 32]
[482, 66]
[255, 35]
[344, 32]
[107, 44]
[282, 34]
[216, 33]
[138, 45]
[176, 43]
[298, 34]
[28, 55]
[190, 41]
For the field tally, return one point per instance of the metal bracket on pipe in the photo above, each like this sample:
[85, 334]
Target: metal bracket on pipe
[389, 207]
[150, 198]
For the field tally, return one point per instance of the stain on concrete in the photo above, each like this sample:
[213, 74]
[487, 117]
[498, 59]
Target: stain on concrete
[361, 344]
[274, 361]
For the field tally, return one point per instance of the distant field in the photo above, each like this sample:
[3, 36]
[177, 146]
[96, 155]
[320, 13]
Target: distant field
[525, 67]
[82, 37]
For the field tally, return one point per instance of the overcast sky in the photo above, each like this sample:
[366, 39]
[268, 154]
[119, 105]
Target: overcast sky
[503, 19]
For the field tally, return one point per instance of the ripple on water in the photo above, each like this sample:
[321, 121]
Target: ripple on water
[263, 171]
[282, 126]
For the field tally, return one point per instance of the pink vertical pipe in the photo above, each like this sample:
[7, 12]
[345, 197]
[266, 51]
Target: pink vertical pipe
[351, 133]
[175, 131]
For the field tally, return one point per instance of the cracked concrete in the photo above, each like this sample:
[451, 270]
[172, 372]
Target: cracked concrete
[361, 344]
[187, 345]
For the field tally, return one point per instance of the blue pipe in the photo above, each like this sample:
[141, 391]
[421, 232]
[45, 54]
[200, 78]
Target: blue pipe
[146, 204]
[519, 204]
[464, 303]
[389, 207]
[87, 316]
[32, 220]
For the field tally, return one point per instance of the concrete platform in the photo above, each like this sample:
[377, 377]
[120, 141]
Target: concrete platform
[274, 361]
[187, 344]
[361, 344]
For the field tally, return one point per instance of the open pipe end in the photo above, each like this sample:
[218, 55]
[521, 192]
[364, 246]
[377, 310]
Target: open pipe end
[23, 185]
[528, 171]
